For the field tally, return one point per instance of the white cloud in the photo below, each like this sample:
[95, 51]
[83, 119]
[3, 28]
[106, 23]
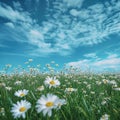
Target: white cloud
[80, 63]
[88, 26]
[13, 15]
[107, 62]
[36, 34]
[73, 3]
[74, 12]
[9, 24]
[67, 27]
[110, 56]
[111, 62]
[91, 55]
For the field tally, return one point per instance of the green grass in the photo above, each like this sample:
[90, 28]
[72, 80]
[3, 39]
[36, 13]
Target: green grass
[84, 104]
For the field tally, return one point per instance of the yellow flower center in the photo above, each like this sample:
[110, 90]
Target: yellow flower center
[52, 82]
[70, 89]
[22, 94]
[105, 81]
[49, 104]
[22, 109]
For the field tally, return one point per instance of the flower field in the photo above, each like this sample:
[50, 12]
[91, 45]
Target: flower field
[60, 96]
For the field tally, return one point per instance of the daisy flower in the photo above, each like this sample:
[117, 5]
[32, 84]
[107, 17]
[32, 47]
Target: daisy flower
[2, 111]
[46, 103]
[51, 82]
[105, 81]
[70, 90]
[21, 93]
[40, 88]
[8, 88]
[18, 110]
[18, 82]
[117, 89]
[60, 103]
[104, 117]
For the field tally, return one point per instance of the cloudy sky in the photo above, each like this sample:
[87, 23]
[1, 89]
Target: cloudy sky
[81, 33]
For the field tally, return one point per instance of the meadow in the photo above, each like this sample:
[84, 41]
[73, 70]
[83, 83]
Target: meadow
[61, 96]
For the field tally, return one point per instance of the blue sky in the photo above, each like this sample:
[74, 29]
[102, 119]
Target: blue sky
[80, 33]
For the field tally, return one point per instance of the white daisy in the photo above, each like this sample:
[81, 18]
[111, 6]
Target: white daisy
[104, 117]
[2, 111]
[8, 88]
[117, 89]
[105, 81]
[20, 109]
[52, 82]
[70, 90]
[60, 103]
[46, 103]
[21, 93]
[18, 82]
[40, 88]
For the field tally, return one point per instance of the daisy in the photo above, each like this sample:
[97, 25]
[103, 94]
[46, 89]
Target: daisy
[60, 103]
[21, 93]
[18, 82]
[8, 88]
[69, 90]
[104, 117]
[2, 111]
[20, 109]
[105, 81]
[117, 89]
[46, 103]
[40, 88]
[51, 82]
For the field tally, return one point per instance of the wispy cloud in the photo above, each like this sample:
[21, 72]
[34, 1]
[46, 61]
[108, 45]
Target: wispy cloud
[71, 3]
[13, 15]
[91, 55]
[68, 25]
[109, 63]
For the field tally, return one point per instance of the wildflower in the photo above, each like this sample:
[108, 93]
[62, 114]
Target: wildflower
[117, 89]
[8, 65]
[61, 102]
[18, 82]
[103, 102]
[69, 90]
[105, 81]
[8, 88]
[113, 82]
[88, 86]
[57, 65]
[2, 111]
[51, 82]
[104, 117]
[40, 88]
[98, 82]
[84, 91]
[20, 109]
[30, 60]
[2, 84]
[21, 93]
[92, 92]
[85, 82]
[46, 103]
[38, 65]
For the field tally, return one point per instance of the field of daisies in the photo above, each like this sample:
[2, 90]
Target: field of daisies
[59, 96]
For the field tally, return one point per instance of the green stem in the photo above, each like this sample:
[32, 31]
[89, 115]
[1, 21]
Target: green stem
[63, 115]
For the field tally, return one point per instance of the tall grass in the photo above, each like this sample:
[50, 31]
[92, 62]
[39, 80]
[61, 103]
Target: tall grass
[94, 96]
